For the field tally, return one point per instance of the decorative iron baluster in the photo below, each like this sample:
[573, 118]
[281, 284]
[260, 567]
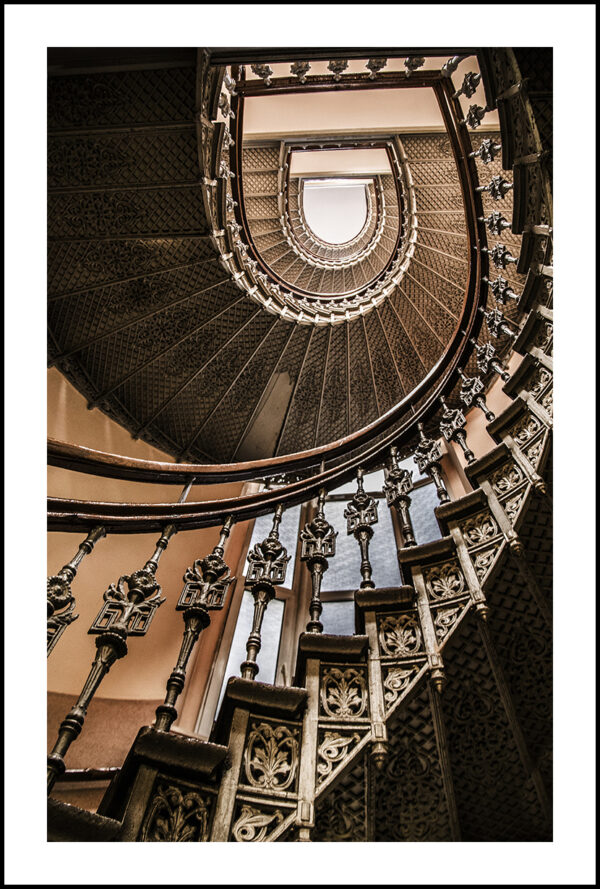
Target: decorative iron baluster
[300, 70]
[225, 107]
[268, 566]
[206, 586]
[234, 228]
[375, 66]
[470, 393]
[337, 66]
[496, 323]
[495, 222]
[486, 358]
[127, 611]
[318, 542]
[469, 85]
[61, 602]
[500, 255]
[452, 427]
[427, 457]
[501, 290]
[397, 488]
[486, 152]
[474, 116]
[229, 84]
[412, 63]
[225, 172]
[360, 514]
[449, 67]
[265, 73]
[497, 187]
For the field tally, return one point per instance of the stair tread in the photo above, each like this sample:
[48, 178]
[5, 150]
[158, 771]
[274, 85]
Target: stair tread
[69, 823]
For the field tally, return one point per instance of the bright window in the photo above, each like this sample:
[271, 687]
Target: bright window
[335, 209]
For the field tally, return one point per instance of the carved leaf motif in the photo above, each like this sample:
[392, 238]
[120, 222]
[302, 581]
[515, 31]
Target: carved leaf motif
[506, 478]
[400, 635]
[344, 694]
[271, 756]
[479, 528]
[252, 825]
[445, 581]
[544, 337]
[525, 430]
[332, 750]
[175, 817]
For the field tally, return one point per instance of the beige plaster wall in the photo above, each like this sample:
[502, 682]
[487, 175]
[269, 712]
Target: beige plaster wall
[142, 674]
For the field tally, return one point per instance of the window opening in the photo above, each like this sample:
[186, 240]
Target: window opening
[335, 209]
[270, 641]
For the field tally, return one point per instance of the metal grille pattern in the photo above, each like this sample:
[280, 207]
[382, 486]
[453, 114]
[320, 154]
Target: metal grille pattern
[496, 800]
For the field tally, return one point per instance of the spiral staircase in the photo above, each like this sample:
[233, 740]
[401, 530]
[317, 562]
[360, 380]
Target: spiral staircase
[184, 283]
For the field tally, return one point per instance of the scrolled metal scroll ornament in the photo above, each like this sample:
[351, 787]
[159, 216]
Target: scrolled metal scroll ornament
[252, 826]
[396, 681]
[445, 619]
[334, 748]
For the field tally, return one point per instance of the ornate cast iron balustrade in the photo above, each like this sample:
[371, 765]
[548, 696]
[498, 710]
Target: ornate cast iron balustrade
[354, 702]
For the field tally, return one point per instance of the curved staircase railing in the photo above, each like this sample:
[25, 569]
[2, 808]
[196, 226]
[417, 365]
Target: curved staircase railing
[365, 716]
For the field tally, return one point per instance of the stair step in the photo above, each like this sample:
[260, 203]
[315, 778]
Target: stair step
[70, 824]
[286, 702]
[325, 646]
[168, 751]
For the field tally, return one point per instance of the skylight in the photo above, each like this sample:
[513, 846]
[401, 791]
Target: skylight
[335, 209]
